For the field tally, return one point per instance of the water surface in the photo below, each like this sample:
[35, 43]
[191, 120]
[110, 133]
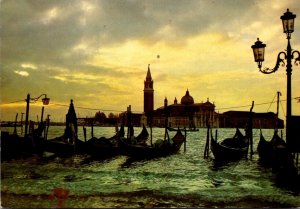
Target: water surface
[182, 180]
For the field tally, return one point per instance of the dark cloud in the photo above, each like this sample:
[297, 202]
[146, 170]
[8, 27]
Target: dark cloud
[27, 36]
[44, 33]
[48, 34]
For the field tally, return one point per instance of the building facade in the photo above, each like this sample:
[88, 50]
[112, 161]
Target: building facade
[186, 114]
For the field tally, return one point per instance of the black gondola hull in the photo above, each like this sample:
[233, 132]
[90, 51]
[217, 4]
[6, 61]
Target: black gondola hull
[224, 153]
[144, 151]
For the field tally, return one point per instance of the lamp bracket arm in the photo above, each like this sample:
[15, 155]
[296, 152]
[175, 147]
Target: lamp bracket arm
[35, 99]
[277, 65]
[297, 60]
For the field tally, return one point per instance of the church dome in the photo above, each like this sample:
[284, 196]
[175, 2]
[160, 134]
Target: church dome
[187, 99]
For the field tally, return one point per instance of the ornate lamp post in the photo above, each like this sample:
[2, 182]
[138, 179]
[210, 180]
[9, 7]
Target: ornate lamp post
[45, 101]
[258, 52]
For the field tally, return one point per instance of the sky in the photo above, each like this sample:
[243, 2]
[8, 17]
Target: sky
[97, 52]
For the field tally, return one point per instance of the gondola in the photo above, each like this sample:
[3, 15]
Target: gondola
[140, 139]
[275, 154]
[159, 149]
[265, 148]
[15, 146]
[65, 145]
[233, 148]
[61, 147]
[110, 141]
[143, 136]
[96, 147]
[68, 143]
[104, 147]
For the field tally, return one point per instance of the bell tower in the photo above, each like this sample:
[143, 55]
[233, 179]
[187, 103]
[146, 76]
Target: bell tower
[148, 93]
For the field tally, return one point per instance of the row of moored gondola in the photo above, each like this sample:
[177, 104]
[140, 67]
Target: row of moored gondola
[68, 144]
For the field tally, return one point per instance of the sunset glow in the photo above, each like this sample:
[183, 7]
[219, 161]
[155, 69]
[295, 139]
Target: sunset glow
[97, 53]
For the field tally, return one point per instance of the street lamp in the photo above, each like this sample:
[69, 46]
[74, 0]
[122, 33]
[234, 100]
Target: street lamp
[258, 52]
[288, 23]
[45, 101]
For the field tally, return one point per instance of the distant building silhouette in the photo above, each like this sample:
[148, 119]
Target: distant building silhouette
[234, 119]
[148, 93]
[187, 114]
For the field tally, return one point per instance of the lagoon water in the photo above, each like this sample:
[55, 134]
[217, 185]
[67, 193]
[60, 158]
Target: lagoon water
[182, 180]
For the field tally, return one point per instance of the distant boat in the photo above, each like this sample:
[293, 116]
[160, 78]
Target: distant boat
[10, 124]
[183, 129]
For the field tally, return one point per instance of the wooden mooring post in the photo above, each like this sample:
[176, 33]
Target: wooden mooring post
[206, 149]
[84, 133]
[184, 139]
[47, 129]
[15, 124]
[92, 126]
[249, 131]
[151, 135]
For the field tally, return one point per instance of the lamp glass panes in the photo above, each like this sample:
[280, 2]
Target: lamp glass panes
[258, 51]
[45, 101]
[288, 22]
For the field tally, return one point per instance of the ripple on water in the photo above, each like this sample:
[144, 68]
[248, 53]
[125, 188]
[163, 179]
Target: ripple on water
[184, 179]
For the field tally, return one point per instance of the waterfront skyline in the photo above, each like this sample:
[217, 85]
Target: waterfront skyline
[97, 53]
